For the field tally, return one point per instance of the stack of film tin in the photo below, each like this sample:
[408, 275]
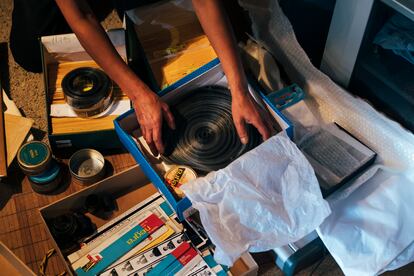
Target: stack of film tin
[43, 171]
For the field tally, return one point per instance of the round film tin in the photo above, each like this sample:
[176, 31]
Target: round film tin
[34, 157]
[87, 166]
[48, 181]
[88, 91]
[178, 176]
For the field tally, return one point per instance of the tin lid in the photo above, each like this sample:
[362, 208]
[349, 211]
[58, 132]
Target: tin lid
[87, 166]
[178, 176]
[34, 157]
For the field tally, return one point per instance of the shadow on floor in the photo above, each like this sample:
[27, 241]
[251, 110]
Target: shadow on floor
[10, 185]
[4, 67]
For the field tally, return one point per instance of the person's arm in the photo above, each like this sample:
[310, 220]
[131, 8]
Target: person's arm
[149, 108]
[216, 25]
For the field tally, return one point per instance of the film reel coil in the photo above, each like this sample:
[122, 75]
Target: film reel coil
[205, 138]
[88, 91]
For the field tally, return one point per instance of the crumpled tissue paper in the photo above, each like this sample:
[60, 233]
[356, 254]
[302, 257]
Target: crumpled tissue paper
[265, 199]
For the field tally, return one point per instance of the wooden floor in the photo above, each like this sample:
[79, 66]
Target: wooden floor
[20, 225]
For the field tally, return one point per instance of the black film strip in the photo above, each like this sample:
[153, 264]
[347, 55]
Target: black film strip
[205, 137]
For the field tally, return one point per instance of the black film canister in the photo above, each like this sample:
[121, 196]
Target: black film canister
[87, 90]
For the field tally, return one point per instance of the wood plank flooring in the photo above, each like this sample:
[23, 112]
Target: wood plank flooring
[20, 224]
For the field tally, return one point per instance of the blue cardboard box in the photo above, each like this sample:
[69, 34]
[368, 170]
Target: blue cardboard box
[128, 131]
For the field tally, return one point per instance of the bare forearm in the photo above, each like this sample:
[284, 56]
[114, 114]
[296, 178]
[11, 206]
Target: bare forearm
[216, 25]
[149, 109]
[96, 42]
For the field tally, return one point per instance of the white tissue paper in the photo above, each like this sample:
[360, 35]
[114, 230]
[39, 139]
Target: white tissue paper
[266, 198]
[116, 108]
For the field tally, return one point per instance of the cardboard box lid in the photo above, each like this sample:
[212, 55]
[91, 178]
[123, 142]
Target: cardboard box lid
[3, 160]
[11, 265]
[132, 183]
[166, 37]
[14, 130]
[60, 55]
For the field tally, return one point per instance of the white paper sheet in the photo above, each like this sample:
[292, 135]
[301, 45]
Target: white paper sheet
[264, 199]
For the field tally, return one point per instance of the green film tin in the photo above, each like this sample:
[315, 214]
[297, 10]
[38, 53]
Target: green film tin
[48, 181]
[34, 157]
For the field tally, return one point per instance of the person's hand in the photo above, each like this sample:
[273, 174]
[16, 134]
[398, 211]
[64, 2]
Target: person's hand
[246, 111]
[151, 111]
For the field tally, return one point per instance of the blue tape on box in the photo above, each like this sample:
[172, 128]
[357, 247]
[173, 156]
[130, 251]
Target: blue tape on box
[267, 100]
[286, 97]
[130, 144]
[190, 76]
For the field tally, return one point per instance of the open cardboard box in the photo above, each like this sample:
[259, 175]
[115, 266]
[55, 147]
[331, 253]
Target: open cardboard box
[14, 131]
[60, 55]
[11, 265]
[3, 150]
[169, 39]
[128, 188]
[130, 135]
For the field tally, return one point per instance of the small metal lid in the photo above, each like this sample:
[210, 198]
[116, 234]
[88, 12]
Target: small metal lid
[34, 157]
[87, 166]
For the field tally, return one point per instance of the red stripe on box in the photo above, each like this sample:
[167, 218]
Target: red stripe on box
[187, 256]
[180, 250]
[151, 223]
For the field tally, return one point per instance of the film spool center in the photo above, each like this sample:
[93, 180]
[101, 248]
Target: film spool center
[87, 90]
[205, 138]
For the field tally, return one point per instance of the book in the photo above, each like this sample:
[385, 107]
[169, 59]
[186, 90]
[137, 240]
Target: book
[155, 204]
[184, 260]
[118, 245]
[155, 240]
[145, 261]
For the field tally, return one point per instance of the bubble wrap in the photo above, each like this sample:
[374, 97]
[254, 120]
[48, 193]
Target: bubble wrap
[360, 242]
[394, 144]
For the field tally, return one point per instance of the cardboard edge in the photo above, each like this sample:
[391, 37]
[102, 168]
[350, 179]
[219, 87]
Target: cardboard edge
[3, 150]
[188, 78]
[14, 260]
[248, 260]
[54, 244]
[137, 59]
[90, 188]
[45, 77]
[146, 166]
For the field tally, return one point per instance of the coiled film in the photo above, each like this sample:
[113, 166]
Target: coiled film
[205, 138]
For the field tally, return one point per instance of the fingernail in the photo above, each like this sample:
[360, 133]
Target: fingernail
[244, 140]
